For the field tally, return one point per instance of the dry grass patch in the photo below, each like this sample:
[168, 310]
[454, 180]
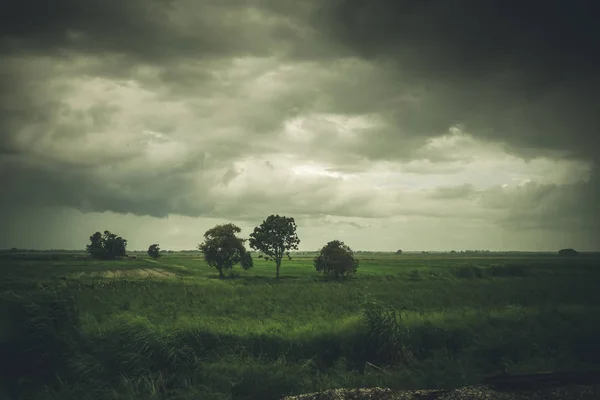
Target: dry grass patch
[129, 273]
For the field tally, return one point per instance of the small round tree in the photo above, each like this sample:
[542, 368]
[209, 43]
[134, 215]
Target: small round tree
[154, 251]
[336, 260]
[222, 249]
[568, 252]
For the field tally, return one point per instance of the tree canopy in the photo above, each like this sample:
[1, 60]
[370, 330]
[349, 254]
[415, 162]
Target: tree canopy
[107, 246]
[222, 249]
[336, 260]
[154, 251]
[274, 238]
[568, 252]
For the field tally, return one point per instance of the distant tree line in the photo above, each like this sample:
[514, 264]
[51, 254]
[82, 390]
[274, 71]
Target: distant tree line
[274, 239]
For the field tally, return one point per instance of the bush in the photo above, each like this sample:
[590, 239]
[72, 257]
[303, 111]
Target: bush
[385, 335]
[336, 260]
[154, 251]
[568, 252]
[507, 270]
[468, 272]
[415, 275]
[40, 329]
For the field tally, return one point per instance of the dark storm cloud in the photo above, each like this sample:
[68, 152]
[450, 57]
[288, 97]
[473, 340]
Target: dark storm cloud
[142, 29]
[546, 206]
[19, 104]
[522, 72]
[42, 182]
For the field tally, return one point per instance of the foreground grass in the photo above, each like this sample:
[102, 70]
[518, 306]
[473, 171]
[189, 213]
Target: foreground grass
[405, 322]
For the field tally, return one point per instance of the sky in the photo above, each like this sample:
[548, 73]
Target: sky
[414, 125]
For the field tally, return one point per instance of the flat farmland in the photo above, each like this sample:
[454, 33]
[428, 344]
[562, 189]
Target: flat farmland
[75, 328]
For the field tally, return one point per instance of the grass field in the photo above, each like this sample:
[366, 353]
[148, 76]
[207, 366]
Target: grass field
[73, 328]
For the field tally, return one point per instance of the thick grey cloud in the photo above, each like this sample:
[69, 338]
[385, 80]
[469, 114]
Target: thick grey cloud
[141, 192]
[453, 192]
[340, 108]
[523, 72]
[568, 207]
[153, 31]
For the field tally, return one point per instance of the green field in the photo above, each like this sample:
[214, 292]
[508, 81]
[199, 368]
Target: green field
[74, 328]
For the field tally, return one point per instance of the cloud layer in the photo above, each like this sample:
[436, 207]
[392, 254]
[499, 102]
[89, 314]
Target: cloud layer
[474, 112]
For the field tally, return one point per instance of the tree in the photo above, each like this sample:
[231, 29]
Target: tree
[568, 252]
[223, 249]
[275, 237]
[154, 251]
[246, 261]
[107, 246]
[399, 252]
[336, 260]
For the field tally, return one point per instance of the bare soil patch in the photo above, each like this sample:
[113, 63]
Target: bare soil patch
[133, 273]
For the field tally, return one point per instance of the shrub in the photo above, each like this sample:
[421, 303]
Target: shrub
[507, 270]
[415, 275]
[336, 260]
[568, 252]
[385, 335]
[468, 272]
[154, 251]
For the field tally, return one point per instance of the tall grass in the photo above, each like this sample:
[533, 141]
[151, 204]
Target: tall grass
[246, 338]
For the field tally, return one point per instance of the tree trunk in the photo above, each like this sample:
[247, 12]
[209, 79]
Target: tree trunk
[221, 273]
[278, 263]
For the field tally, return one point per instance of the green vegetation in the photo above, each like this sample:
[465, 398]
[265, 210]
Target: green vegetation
[222, 249]
[274, 238]
[568, 252]
[154, 251]
[336, 260]
[75, 328]
[107, 246]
